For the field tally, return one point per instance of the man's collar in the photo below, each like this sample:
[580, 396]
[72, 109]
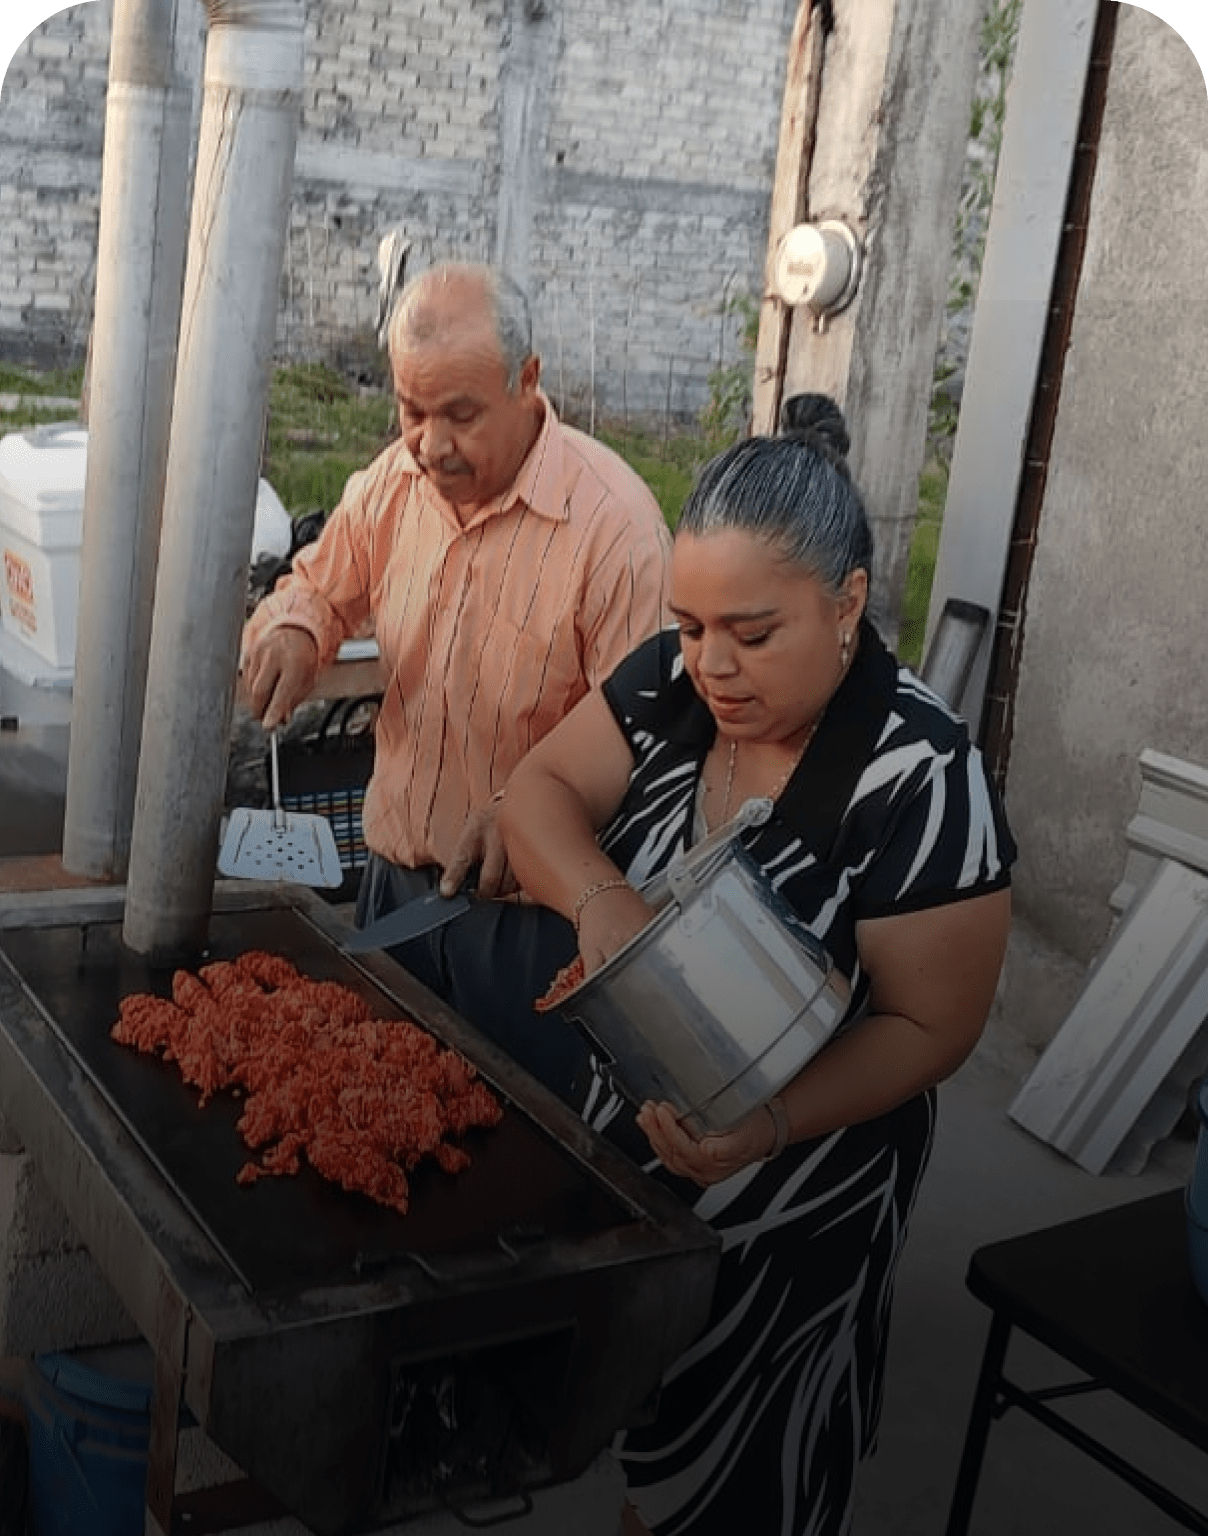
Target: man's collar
[540, 481]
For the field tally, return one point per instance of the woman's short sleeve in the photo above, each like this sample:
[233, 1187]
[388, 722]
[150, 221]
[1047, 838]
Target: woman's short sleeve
[944, 838]
[651, 692]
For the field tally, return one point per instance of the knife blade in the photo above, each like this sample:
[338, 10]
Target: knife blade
[409, 921]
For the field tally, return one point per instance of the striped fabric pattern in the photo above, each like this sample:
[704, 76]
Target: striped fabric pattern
[761, 1425]
[489, 632]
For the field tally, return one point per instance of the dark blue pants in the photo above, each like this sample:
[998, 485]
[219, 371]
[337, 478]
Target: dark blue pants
[490, 965]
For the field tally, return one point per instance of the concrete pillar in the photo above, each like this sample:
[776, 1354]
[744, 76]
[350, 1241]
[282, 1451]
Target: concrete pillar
[140, 266]
[253, 81]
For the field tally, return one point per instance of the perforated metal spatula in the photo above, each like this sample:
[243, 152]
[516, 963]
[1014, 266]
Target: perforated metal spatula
[279, 845]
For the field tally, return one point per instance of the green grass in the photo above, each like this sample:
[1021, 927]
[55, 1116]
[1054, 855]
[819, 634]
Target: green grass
[30, 386]
[920, 564]
[668, 467]
[320, 429]
[29, 415]
[28, 381]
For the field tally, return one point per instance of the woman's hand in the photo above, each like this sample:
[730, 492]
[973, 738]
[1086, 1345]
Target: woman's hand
[709, 1159]
[607, 923]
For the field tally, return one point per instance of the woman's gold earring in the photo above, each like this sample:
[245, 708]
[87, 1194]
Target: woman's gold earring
[844, 650]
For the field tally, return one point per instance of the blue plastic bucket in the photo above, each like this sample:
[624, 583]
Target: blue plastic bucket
[89, 1419]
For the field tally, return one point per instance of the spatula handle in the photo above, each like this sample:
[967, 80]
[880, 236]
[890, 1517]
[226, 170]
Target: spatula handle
[278, 813]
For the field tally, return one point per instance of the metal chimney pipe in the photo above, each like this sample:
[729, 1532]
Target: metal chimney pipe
[253, 82]
[140, 267]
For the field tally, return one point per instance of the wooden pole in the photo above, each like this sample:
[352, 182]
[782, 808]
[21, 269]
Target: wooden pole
[881, 136]
[798, 121]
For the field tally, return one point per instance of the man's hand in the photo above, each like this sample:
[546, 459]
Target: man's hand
[279, 671]
[480, 844]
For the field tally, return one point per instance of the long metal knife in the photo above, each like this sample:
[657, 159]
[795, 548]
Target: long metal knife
[421, 915]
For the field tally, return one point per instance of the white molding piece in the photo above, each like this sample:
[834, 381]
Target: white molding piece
[1145, 1001]
[1164, 1111]
[1044, 107]
[1171, 823]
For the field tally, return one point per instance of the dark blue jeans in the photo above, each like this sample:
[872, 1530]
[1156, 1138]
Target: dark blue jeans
[490, 965]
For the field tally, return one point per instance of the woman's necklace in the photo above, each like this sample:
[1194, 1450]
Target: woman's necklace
[788, 773]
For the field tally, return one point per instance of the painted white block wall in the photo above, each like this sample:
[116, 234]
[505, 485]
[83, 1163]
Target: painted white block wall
[627, 152]
[1115, 649]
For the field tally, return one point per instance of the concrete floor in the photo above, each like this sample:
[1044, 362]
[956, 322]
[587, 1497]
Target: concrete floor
[988, 1180]
[991, 1180]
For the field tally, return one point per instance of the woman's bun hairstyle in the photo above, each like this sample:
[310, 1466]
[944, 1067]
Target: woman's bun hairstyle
[794, 490]
[817, 421]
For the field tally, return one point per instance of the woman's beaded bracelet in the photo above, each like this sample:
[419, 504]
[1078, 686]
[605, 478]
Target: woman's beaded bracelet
[780, 1121]
[592, 891]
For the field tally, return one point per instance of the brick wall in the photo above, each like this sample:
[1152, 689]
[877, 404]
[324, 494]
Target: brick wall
[617, 158]
[51, 132]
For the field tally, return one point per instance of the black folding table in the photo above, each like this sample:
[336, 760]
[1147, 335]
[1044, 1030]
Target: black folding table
[1112, 1294]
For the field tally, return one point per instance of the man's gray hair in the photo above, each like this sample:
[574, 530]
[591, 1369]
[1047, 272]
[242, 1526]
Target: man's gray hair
[513, 321]
[508, 304]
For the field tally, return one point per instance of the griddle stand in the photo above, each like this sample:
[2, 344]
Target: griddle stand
[630, 1297]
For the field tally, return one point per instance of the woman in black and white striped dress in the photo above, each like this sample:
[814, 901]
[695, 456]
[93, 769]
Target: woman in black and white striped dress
[888, 840]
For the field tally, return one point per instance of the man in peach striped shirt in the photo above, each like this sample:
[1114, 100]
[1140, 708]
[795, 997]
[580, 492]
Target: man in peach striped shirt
[508, 563]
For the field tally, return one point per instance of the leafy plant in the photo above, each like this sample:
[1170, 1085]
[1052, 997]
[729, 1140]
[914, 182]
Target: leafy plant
[727, 416]
[920, 563]
[1000, 33]
[667, 466]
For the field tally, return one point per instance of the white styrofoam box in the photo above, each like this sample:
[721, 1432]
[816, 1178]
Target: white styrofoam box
[33, 671]
[42, 483]
[41, 527]
[41, 596]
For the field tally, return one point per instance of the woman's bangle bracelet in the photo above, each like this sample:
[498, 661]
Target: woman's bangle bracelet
[780, 1121]
[592, 891]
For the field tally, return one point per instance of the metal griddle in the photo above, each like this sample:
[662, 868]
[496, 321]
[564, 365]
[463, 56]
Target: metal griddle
[549, 1286]
[299, 1230]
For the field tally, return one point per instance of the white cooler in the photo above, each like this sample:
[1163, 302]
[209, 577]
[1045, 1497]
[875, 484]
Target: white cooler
[41, 530]
[41, 527]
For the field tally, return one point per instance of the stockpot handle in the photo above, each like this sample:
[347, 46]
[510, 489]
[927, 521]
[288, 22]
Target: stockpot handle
[686, 875]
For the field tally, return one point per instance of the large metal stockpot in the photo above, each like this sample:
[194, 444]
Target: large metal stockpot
[722, 998]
